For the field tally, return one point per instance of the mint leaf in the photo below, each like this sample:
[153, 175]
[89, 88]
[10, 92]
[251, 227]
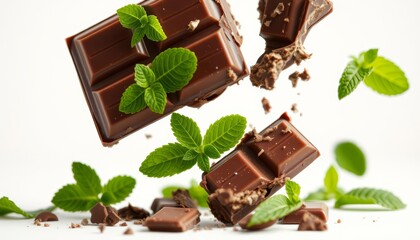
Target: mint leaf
[198, 193]
[143, 75]
[322, 195]
[369, 57]
[352, 76]
[350, 157]
[86, 178]
[174, 68]
[211, 152]
[117, 189]
[370, 196]
[203, 162]
[8, 206]
[331, 180]
[155, 98]
[293, 191]
[166, 161]
[387, 78]
[186, 131]
[225, 132]
[130, 16]
[154, 30]
[138, 35]
[132, 100]
[273, 208]
[190, 155]
[71, 198]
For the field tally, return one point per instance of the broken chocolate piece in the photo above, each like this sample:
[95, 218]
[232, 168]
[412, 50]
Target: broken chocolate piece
[241, 180]
[113, 217]
[294, 78]
[183, 198]
[46, 217]
[105, 61]
[160, 203]
[311, 222]
[132, 213]
[244, 224]
[289, 24]
[101, 214]
[318, 209]
[304, 75]
[266, 105]
[170, 219]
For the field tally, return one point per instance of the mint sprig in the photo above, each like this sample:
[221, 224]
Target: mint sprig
[278, 206]
[170, 71]
[134, 17]
[87, 191]
[196, 192]
[192, 148]
[7, 206]
[370, 196]
[377, 72]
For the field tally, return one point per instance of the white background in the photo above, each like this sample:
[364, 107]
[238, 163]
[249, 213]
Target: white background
[45, 123]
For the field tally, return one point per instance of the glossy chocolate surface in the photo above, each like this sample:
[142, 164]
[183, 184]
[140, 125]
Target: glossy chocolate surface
[256, 169]
[170, 219]
[105, 61]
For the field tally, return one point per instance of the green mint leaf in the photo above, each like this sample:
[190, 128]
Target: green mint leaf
[143, 75]
[144, 21]
[174, 68]
[138, 35]
[370, 196]
[225, 133]
[199, 194]
[167, 191]
[369, 57]
[293, 191]
[166, 161]
[387, 78]
[211, 152]
[86, 178]
[322, 195]
[155, 98]
[331, 180]
[154, 30]
[352, 76]
[130, 16]
[190, 155]
[186, 131]
[350, 157]
[8, 206]
[203, 162]
[273, 208]
[132, 100]
[117, 189]
[71, 198]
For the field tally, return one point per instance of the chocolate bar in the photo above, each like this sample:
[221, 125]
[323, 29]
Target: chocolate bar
[105, 61]
[170, 219]
[160, 203]
[256, 169]
[284, 26]
[320, 210]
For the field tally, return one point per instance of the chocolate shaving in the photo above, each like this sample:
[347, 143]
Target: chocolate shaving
[311, 222]
[193, 25]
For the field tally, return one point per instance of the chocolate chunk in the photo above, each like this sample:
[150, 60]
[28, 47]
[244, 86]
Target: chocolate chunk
[304, 75]
[170, 219]
[160, 203]
[266, 105]
[129, 213]
[46, 217]
[128, 231]
[75, 225]
[182, 197]
[244, 224]
[105, 61]
[311, 222]
[241, 180]
[113, 217]
[320, 210]
[101, 214]
[289, 24]
[84, 222]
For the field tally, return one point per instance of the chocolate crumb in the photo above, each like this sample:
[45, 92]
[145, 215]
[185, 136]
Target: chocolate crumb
[266, 105]
[138, 222]
[338, 221]
[46, 217]
[75, 225]
[84, 222]
[311, 222]
[124, 224]
[46, 225]
[294, 77]
[265, 72]
[37, 222]
[148, 136]
[294, 108]
[260, 138]
[261, 152]
[278, 10]
[193, 25]
[304, 75]
[267, 23]
[128, 231]
[286, 130]
[232, 75]
[101, 227]
[287, 20]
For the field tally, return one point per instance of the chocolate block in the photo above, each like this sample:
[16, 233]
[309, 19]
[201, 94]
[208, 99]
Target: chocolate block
[256, 169]
[320, 210]
[170, 219]
[160, 203]
[105, 61]
[284, 26]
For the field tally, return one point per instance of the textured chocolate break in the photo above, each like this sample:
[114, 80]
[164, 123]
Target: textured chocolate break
[183, 198]
[132, 213]
[311, 222]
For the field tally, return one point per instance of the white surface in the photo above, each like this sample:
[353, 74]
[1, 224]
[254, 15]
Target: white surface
[46, 125]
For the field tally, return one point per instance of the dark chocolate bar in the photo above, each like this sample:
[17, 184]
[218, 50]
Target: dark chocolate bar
[284, 26]
[105, 61]
[256, 169]
[170, 219]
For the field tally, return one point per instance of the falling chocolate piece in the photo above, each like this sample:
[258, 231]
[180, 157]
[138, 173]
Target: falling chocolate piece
[46, 217]
[266, 105]
[183, 198]
[132, 213]
[311, 222]
[170, 219]
[244, 224]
